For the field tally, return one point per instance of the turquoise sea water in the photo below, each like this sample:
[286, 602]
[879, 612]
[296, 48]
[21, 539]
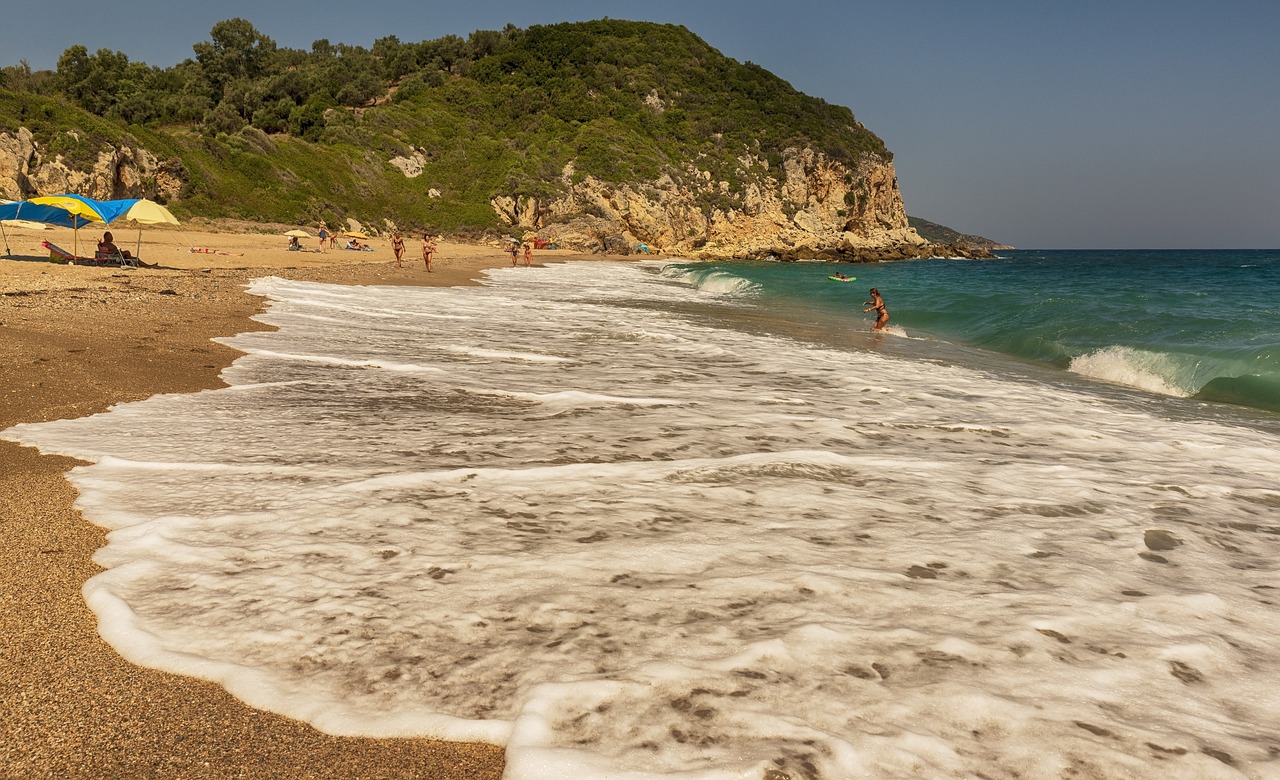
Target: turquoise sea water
[1195, 324]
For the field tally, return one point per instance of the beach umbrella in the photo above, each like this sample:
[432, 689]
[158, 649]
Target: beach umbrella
[298, 233]
[12, 212]
[80, 211]
[148, 212]
[355, 234]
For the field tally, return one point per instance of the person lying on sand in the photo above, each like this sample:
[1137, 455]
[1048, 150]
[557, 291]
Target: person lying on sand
[205, 250]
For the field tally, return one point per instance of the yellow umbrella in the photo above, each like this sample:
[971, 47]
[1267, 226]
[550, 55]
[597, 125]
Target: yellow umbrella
[78, 207]
[73, 204]
[148, 212]
[355, 234]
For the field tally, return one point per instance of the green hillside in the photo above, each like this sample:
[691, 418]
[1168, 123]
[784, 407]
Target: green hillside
[940, 234]
[266, 133]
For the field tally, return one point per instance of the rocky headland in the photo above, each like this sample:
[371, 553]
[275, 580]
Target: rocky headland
[602, 137]
[820, 209]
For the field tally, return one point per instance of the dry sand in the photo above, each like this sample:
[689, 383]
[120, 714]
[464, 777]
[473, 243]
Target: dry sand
[73, 341]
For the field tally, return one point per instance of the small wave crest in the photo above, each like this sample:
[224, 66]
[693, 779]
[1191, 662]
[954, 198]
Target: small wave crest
[1220, 379]
[711, 280]
[1154, 372]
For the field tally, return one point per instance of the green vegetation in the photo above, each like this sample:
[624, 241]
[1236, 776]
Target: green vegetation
[268, 133]
[940, 234]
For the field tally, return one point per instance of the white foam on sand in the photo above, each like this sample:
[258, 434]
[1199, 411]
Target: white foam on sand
[829, 563]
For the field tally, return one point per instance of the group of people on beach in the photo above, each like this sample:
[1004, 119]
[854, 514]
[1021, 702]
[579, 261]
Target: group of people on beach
[428, 249]
[330, 241]
[514, 248]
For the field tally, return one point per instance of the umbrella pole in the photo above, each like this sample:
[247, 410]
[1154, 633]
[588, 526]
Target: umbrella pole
[137, 251]
[6, 239]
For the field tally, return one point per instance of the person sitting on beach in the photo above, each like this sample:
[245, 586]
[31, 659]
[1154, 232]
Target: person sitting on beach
[294, 244]
[107, 246]
[876, 304]
[354, 244]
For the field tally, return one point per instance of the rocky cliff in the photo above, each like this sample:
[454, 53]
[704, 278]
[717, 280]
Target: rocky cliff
[813, 207]
[809, 206]
[27, 170]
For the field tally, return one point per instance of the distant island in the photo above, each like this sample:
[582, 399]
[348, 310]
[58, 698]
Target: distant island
[940, 234]
[603, 136]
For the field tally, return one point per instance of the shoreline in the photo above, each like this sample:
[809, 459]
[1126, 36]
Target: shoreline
[77, 340]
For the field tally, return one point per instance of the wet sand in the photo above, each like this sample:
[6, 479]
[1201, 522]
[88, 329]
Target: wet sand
[73, 341]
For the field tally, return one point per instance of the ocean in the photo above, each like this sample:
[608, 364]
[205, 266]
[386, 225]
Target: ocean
[660, 519]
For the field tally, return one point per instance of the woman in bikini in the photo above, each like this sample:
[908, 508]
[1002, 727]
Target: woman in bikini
[876, 304]
[397, 246]
[428, 249]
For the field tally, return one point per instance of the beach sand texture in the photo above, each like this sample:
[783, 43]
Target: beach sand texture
[73, 341]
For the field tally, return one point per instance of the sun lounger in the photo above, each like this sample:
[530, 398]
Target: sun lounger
[99, 258]
[58, 253]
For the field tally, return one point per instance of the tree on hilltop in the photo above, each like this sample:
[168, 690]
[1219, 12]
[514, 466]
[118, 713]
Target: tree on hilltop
[237, 51]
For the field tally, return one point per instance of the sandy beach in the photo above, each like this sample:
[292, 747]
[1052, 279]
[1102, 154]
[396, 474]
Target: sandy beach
[74, 340]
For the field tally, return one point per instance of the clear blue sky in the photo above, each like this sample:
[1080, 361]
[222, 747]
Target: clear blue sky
[1124, 123]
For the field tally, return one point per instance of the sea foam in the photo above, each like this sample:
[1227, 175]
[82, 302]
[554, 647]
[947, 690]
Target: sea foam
[684, 549]
[1154, 372]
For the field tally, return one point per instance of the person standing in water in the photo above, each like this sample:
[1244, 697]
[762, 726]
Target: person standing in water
[876, 304]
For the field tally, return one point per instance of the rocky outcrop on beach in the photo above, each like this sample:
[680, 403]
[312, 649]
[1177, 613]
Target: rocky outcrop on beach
[812, 207]
[28, 169]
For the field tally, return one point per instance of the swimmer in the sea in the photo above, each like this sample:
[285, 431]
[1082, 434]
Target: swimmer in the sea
[876, 304]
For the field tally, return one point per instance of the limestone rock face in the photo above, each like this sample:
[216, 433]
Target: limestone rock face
[411, 166]
[818, 208]
[17, 152]
[27, 171]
